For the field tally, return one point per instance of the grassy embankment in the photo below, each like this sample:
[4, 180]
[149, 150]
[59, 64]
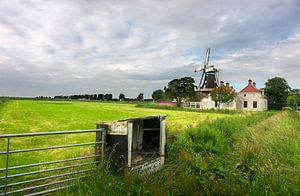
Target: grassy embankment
[256, 155]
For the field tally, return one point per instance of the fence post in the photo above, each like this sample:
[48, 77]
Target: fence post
[6, 165]
[100, 137]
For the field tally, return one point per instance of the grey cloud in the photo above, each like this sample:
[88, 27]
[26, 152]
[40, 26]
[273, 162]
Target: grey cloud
[57, 47]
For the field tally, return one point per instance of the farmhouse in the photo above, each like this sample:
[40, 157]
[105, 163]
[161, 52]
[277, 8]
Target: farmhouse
[251, 98]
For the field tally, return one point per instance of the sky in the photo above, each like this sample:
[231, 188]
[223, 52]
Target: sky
[65, 47]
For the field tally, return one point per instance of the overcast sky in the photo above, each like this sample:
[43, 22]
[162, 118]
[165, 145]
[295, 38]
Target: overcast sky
[72, 47]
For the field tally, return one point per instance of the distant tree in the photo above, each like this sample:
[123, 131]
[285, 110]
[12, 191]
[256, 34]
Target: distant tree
[100, 97]
[276, 90]
[222, 94]
[180, 89]
[121, 97]
[158, 94]
[140, 97]
[291, 101]
[108, 97]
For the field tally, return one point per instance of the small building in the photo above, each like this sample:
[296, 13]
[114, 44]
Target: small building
[137, 143]
[251, 98]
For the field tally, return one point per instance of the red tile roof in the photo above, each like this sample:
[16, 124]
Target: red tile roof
[250, 88]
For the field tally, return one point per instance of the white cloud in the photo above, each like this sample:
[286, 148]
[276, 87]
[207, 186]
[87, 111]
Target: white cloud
[55, 47]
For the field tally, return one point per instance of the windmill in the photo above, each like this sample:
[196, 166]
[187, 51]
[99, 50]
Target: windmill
[209, 75]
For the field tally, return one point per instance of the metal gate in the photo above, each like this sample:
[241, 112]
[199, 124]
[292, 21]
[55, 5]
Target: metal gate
[48, 176]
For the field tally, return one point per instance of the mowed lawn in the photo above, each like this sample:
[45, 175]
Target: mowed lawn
[24, 116]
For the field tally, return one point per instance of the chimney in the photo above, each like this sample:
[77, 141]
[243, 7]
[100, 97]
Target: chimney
[254, 84]
[249, 81]
[221, 83]
[227, 84]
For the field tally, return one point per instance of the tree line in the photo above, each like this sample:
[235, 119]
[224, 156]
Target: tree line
[99, 97]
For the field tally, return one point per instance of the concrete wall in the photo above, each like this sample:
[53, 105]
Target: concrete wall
[250, 98]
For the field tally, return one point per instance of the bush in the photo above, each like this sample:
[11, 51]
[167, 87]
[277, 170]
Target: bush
[287, 109]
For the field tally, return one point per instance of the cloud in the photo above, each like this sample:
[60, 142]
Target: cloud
[68, 47]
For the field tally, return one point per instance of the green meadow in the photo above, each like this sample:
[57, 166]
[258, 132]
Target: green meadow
[240, 153]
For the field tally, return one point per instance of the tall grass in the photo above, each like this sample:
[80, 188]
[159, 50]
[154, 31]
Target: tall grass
[257, 155]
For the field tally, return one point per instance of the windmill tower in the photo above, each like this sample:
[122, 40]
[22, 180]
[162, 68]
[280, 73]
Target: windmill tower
[209, 76]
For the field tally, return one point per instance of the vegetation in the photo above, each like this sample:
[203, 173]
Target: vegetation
[255, 155]
[291, 101]
[222, 94]
[179, 89]
[140, 97]
[212, 153]
[276, 90]
[122, 97]
[158, 94]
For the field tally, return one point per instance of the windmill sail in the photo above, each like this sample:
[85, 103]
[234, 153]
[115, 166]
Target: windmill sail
[209, 76]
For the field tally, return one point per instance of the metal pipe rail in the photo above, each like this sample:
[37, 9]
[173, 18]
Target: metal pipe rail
[99, 144]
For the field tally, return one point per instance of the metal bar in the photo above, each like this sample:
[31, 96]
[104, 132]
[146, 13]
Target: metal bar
[48, 170]
[103, 142]
[48, 184]
[48, 163]
[49, 190]
[50, 148]
[6, 165]
[47, 178]
[49, 133]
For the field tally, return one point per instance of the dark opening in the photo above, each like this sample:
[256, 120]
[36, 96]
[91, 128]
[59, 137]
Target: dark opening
[245, 104]
[254, 104]
[146, 140]
[151, 133]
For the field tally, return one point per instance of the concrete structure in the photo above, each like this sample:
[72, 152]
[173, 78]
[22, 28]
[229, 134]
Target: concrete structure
[252, 99]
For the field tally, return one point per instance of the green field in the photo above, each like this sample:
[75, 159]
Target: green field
[21, 116]
[24, 116]
[253, 153]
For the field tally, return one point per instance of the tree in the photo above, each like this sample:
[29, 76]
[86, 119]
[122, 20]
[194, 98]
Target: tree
[108, 97]
[222, 94]
[276, 90]
[158, 94]
[180, 89]
[121, 97]
[140, 97]
[291, 101]
[296, 92]
[100, 97]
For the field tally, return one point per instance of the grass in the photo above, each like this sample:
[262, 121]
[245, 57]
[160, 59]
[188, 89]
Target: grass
[23, 116]
[213, 153]
[247, 155]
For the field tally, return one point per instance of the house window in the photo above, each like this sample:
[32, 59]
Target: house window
[245, 104]
[254, 104]
[244, 95]
[216, 104]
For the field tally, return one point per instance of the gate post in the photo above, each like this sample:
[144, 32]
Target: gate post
[100, 137]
